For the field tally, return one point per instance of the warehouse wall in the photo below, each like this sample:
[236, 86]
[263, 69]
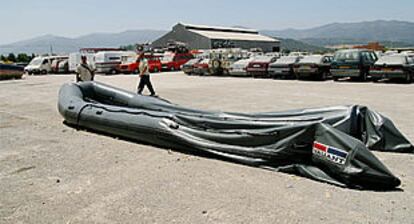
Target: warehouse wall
[265, 46]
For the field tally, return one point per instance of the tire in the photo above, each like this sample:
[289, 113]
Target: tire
[136, 71]
[216, 67]
[155, 70]
[113, 72]
[363, 77]
[375, 80]
[323, 76]
[409, 78]
[172, 69]
[292, 74]
[43, 72]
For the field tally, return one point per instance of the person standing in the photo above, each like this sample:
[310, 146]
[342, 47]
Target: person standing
[144, 75]
[84, 72]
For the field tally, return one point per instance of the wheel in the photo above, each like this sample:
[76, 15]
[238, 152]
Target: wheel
[375, 80]
[136, 71]
[216, 67]
[113, 72]
[172, 69]
[363, 77]
[155, 70]
[323, 76]
[44, 72]
[409, 78]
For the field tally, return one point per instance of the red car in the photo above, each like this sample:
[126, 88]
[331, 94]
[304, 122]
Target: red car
[259, 67]
[131, 65]
[202, 67]
[173, 61]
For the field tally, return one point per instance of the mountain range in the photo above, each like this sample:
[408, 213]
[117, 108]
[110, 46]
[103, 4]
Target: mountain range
[392, 33]
[60, 44]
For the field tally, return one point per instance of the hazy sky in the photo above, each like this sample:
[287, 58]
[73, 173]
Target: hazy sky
[23, 19]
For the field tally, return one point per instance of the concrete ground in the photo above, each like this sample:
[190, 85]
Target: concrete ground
[50, 173]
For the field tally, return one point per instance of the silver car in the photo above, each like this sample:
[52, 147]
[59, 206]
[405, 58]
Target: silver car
[239, 67]
[284, 67]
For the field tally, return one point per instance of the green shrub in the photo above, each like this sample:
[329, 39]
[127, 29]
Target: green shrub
[11, 76]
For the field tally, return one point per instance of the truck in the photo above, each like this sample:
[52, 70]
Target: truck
[129, 64]
[107, 62]
[75, 60]
[173, 61]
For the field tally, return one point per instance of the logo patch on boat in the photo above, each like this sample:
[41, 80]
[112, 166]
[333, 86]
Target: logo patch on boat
[331, 153]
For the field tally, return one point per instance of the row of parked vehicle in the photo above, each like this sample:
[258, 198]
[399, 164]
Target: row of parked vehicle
[48, 64]
[356, 64]
[108, 62]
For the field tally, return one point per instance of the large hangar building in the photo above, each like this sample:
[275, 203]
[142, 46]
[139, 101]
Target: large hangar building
[212, 37]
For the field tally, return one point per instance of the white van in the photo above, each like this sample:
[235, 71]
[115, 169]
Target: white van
[38, 65]
[108, 62]
[75, 60]
[42, 64]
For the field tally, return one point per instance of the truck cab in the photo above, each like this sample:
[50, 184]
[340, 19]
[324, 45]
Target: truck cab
[174, 61]
[130, 64]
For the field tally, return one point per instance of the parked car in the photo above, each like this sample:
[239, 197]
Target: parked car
[230, 58]
[154, 63]
[313, 67]
[202, 67]
[239, 68]
[354, 63]
[173, 61]
[259, 66]
[188, 67]
[129, 64]
[393, 67]
[284, 67]
[298, 53]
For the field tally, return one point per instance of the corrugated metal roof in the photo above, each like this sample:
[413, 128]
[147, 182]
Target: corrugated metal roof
[236, 29]
[233, 36]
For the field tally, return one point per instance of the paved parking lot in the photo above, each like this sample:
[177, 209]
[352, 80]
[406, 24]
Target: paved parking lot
[50, 173]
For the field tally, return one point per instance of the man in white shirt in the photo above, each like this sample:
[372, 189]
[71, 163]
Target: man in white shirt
[144, 75]
[84, 72]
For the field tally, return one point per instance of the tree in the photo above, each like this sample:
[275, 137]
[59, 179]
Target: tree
[23, 58]
[2, 58]
[11, 57]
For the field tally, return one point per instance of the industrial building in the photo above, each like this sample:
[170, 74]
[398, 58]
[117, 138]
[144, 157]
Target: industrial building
[212, 37]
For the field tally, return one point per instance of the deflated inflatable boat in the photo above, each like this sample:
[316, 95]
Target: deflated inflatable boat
[328, 144]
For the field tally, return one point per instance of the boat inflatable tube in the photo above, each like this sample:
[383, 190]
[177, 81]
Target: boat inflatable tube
[330, 144]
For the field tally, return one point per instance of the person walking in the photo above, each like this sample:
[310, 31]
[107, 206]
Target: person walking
[144, 75]
[84, 72]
